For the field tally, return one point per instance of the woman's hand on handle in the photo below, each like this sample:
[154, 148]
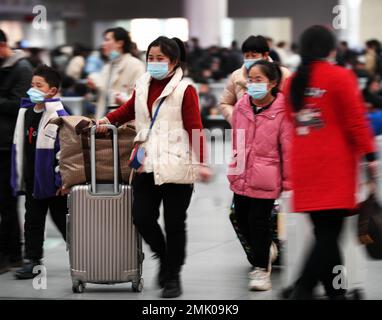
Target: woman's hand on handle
[100, 127]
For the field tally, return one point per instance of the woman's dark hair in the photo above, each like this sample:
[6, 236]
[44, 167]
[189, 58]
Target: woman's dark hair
[375, 44]
[316, 43]
[272, 71]
[120, 34]
[255, 44]
[80, 50]
[173, 48]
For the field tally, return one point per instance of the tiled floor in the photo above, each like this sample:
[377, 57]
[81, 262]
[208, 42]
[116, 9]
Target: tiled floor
[216, 267]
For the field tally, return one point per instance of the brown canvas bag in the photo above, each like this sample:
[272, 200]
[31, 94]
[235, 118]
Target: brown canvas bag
[74, 164]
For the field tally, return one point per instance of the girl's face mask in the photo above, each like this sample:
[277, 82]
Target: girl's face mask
[257, 91]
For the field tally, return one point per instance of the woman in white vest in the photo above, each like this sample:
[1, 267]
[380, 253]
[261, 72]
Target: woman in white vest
[173, 155]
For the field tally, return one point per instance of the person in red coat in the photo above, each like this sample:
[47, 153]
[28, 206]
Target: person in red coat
[331, 135]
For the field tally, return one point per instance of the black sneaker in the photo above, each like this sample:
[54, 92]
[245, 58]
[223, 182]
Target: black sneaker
[172, 287]
[4, 263]
[26, 271]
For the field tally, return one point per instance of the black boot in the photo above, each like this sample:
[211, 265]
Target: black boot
[162, 272]
[172, 287]
[26, 271]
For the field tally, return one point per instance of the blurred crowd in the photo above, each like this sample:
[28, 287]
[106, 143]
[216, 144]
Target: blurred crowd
[207, 67]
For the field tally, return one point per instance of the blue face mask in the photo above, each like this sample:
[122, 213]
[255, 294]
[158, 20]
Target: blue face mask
[257, 91]
[158, 70]
[249, 62]
[114, 55]
[35, 95]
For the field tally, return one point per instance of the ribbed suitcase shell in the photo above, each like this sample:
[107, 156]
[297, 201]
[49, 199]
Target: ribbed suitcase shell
[103, 244]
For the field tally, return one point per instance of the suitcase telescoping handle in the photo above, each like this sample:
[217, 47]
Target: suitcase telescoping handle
[93, 157]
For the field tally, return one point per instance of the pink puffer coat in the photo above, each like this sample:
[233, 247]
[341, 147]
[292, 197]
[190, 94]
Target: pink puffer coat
[261, 148]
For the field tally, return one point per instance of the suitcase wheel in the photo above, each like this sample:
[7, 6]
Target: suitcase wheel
[138, 285]
[78, 287]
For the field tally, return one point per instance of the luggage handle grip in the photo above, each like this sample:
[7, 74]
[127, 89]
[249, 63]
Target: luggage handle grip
[93, 157]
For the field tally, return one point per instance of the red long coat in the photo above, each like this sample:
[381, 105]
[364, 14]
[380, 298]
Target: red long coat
[330, 136]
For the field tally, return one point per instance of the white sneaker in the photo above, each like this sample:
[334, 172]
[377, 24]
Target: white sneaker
[260, 280]
[273, 253]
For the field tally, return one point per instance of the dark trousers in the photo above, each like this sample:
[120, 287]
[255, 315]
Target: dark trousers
[325, 253]
[35, 216]
[176, 199]
[254, 220]
[10, 244]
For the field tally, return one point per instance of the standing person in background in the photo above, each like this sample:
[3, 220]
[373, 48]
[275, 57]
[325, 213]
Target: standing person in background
[372, 93]
[168, 172]
[253, 49]
[330, 136]
[15, 79]
[373, 57]
[115, 84]
[76, 65]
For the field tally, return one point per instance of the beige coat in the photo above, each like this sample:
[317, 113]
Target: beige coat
[75, 67]
[235, 89]
[123, 73]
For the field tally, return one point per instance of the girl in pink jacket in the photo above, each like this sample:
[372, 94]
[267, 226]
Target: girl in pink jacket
[259, 170]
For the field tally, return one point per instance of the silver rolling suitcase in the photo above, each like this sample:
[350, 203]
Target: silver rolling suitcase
[104, 246]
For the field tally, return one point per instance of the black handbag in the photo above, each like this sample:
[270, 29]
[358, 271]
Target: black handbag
[370, 226]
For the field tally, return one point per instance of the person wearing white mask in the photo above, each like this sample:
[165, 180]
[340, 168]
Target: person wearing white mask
[165, 107]
[255, 48]
[259, 180]
[115, 83]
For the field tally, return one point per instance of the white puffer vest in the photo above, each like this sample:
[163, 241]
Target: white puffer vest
[168, 152]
